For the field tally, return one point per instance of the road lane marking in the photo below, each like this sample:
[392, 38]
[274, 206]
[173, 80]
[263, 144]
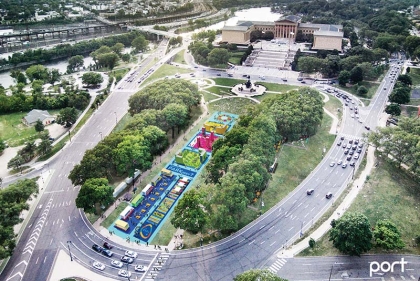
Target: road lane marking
[262, 242]
[272, 243]
[299, 205]
[291, 228]
[262, 226]
[306, 215]
[251, 242]
[45, 259]
[277, 231]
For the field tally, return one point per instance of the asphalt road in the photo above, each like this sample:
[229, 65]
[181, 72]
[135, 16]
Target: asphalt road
[352, 268]
[56, 221]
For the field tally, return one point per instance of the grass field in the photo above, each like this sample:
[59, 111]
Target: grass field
[228, 81]
[415, 76]
[388, 194]
[13, 131]
[222, 91]
[107, 222]
[278, 87]
[232, 105]
[332, 105]
[296, 163]
[179, 57]
[371, 86]
[166, 70]
[208, 96]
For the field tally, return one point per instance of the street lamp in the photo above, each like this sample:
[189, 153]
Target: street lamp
[128, 273]
[116, 120]
[301, 229]
[100, 134]
[68, 245]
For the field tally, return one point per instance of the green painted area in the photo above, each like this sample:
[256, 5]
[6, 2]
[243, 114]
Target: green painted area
[191, 158]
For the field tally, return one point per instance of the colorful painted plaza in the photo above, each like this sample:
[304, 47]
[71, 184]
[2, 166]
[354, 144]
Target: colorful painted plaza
[152, 205]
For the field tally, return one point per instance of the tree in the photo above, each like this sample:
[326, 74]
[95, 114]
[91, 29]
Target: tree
[75, 63]
[19, 76]
[352, 234]
[218, 56]
[189, 213]
[67, 116]
[118, 48]
[94, 194]
[37, 72]
[3, 146]
[405, 79]
[126, 57]
[312, 243]
[258, 275]
[356, 74]
[108, 60]
[92, 78]
[44, 146]
[393, 109]
[362, 91]
[387, 236]
[140, 43]
[39, 126]
[400, 94]
[175, 115]
[343, 77]
[13, 200]
[310, 64]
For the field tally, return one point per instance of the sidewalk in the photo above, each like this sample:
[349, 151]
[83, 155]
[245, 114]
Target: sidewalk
[357, 185]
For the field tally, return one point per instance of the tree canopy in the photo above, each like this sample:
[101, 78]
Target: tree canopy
[13, 200]
[94, 194]
[387, 236]
[351, 234]
[258, 275]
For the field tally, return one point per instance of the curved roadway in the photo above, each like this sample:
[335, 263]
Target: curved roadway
[56, 221]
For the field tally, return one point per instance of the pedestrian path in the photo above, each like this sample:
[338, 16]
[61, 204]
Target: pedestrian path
[277, 265]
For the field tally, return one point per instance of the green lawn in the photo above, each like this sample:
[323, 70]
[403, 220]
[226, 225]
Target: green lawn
[332, 105]
[235, 57]
[222, 91]
[114, 215]
[179, 57]
[278, 87]
[13, 131]
[296, 163]
[228, 81]
[415, 76]
[371, 86]
[166, 70]
[208, 96]
[388, 194]
[232, 105]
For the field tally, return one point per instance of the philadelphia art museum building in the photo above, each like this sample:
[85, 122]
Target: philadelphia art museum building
[326, 36]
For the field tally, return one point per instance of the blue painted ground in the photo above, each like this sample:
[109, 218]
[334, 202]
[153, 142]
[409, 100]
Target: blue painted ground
[156, 207]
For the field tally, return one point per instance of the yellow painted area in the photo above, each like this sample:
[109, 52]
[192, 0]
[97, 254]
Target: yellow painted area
[218, 128]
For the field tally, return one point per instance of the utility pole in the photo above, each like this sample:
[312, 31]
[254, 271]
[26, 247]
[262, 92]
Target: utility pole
[68, 245]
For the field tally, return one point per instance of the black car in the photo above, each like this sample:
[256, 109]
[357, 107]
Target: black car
[329, 195]
[309, 191]
[97, 248]
[346, 151]
[339, 143]
[367, 128]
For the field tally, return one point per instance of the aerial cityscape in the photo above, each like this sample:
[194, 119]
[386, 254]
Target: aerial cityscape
[210, 140]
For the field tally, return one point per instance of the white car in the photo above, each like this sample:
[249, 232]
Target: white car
[98, 265]
[131, 254]
[124, 273]
[116, 263]
[140, 268]
[352, 115]
[332, 164]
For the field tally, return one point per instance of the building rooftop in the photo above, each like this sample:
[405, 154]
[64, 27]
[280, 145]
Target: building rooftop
[328, 33]
[325, 27]
[235, 27]
[292, 18]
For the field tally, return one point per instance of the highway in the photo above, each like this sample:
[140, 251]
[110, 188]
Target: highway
[57, 224]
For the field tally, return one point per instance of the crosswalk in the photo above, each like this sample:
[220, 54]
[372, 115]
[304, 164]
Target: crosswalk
[277, 265]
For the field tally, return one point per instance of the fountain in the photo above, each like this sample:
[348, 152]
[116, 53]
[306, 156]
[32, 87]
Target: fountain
[248, 89]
